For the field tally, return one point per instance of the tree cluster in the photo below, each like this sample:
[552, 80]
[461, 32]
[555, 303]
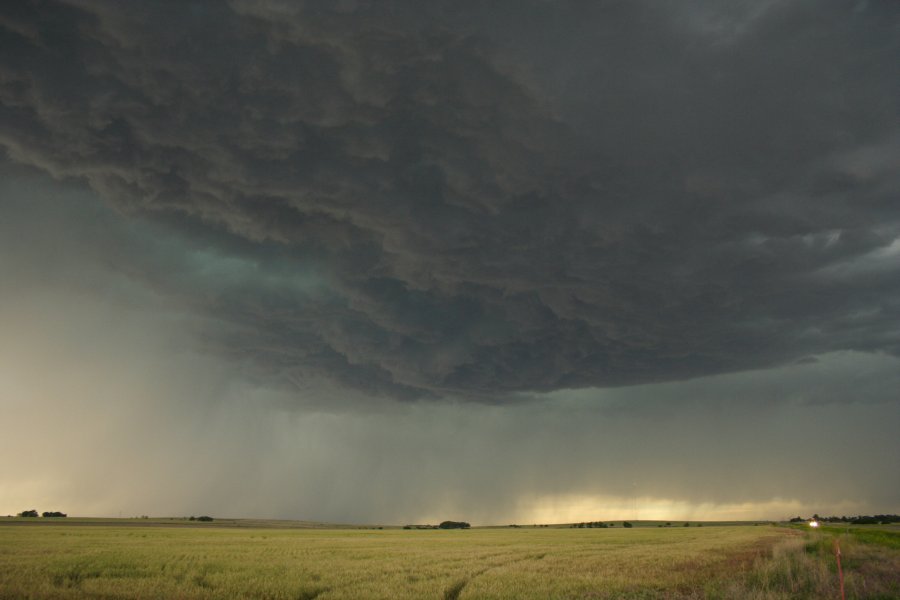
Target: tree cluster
[454, 525]
[46, 513]
[590, 525]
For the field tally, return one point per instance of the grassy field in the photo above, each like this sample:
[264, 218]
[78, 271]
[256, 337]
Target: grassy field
[153, 561]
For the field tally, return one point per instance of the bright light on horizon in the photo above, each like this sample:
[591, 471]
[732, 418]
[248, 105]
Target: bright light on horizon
[578, 508]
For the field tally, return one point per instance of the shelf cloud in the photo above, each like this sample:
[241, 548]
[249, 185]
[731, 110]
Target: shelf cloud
[494, 207]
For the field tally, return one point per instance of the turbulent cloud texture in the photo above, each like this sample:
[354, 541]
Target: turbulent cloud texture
[111, 406]
[467, 199]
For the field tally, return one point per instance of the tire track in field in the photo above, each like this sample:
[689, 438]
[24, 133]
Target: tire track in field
[312, 594]
[455, 589]
[453, 592]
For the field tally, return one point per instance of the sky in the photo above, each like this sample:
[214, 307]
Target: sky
[524, 261]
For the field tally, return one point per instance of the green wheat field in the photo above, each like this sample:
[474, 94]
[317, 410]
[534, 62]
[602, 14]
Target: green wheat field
[254, 559]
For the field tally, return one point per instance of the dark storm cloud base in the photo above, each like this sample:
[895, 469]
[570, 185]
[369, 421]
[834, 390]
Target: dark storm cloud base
[430, 199]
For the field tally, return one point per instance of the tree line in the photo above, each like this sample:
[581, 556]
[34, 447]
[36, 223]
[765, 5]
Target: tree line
[857, 520]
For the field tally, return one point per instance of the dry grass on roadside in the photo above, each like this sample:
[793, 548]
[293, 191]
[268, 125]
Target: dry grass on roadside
[804, 566]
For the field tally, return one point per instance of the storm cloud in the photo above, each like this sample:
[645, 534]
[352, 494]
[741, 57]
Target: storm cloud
[496, 199]
[406, 261]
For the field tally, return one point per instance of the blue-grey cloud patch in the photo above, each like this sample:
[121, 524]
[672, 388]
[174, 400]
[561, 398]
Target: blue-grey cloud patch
[426, 200]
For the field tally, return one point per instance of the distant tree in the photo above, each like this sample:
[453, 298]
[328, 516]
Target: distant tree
[669, 524]
[626, 524]
[797, 520]
[53, 514]
[454, 525]
[205, 518]
[687, 524]
[28, 513]
[193, 518]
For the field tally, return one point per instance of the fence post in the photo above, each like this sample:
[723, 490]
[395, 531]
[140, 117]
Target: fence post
[837, 555]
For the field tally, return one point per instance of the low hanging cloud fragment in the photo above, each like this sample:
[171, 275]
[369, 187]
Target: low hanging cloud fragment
[433, 199]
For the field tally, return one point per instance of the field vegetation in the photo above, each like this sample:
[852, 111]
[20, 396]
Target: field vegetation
[206, 560]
